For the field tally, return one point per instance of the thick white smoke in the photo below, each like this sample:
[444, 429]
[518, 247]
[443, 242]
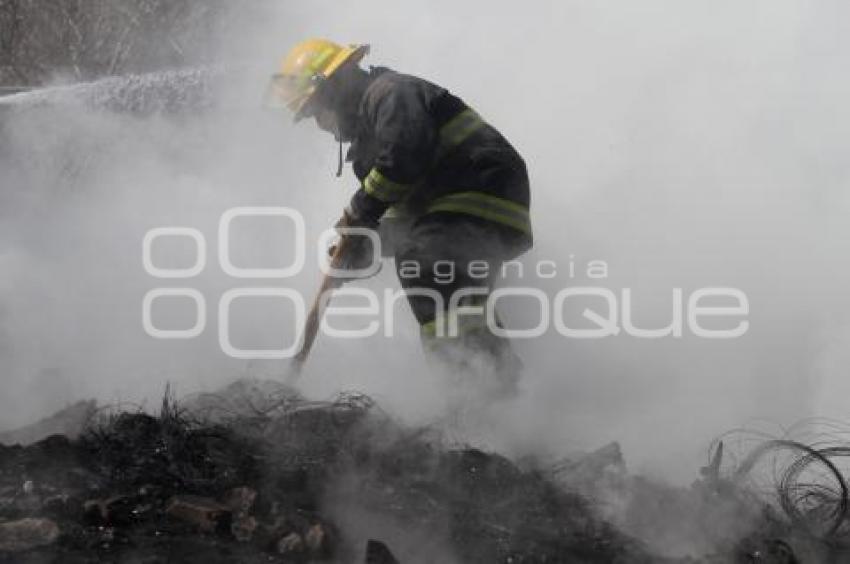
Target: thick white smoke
[686, 144]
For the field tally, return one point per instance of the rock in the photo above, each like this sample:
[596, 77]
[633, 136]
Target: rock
[118, 509]
[26, 534]
[766, 551]
[269, 533]
[28, 487]
[7, 506]
[105, 538]
[291, 545]
[318, 541]
[600, 468]
[243, 527]
[205, 513]
[141, 511]
[93, 513]
[27, 504]
[378, 553]
[115, 510]
[240, 500]
[69, 422]
[62, 506]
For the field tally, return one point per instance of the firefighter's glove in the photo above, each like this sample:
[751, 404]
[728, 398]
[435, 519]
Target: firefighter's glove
[357, 251]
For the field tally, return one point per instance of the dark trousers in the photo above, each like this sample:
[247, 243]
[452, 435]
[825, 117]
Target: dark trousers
[444, 253]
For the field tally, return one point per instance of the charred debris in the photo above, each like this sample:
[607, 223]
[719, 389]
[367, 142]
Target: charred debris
[259, 474]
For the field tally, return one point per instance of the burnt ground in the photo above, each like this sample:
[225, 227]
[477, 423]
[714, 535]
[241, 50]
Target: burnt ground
[267, 484]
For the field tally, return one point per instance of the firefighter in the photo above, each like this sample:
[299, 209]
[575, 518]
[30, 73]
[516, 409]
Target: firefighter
[440, 184]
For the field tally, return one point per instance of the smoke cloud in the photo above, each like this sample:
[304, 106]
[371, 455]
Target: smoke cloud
[687, 145]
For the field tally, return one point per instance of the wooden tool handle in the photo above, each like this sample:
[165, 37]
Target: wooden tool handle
[314, 317]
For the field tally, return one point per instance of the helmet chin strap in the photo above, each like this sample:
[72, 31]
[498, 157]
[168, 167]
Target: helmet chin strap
[339, 163]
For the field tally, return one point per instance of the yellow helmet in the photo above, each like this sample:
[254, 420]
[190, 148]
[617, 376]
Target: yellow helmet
[306, 65]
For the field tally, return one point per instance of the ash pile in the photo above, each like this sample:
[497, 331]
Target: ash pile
[249, 476]
[257, 473]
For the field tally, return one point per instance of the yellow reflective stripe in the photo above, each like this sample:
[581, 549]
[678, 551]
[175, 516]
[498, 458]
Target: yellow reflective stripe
[429, 329]
[486, 206]
[457, 129]
[398, 211]
[452, 134]
[386, 190]
[460, 127]
[318, 63]
[466, 323]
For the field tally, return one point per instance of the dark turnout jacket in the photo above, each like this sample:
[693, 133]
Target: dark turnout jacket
[422, 150]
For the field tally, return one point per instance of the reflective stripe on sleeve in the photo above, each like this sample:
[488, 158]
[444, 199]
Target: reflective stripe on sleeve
[386, 190]
[452, 134]
[456, 130]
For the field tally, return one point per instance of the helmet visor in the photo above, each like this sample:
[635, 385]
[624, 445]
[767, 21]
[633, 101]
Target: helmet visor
[291, 92]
